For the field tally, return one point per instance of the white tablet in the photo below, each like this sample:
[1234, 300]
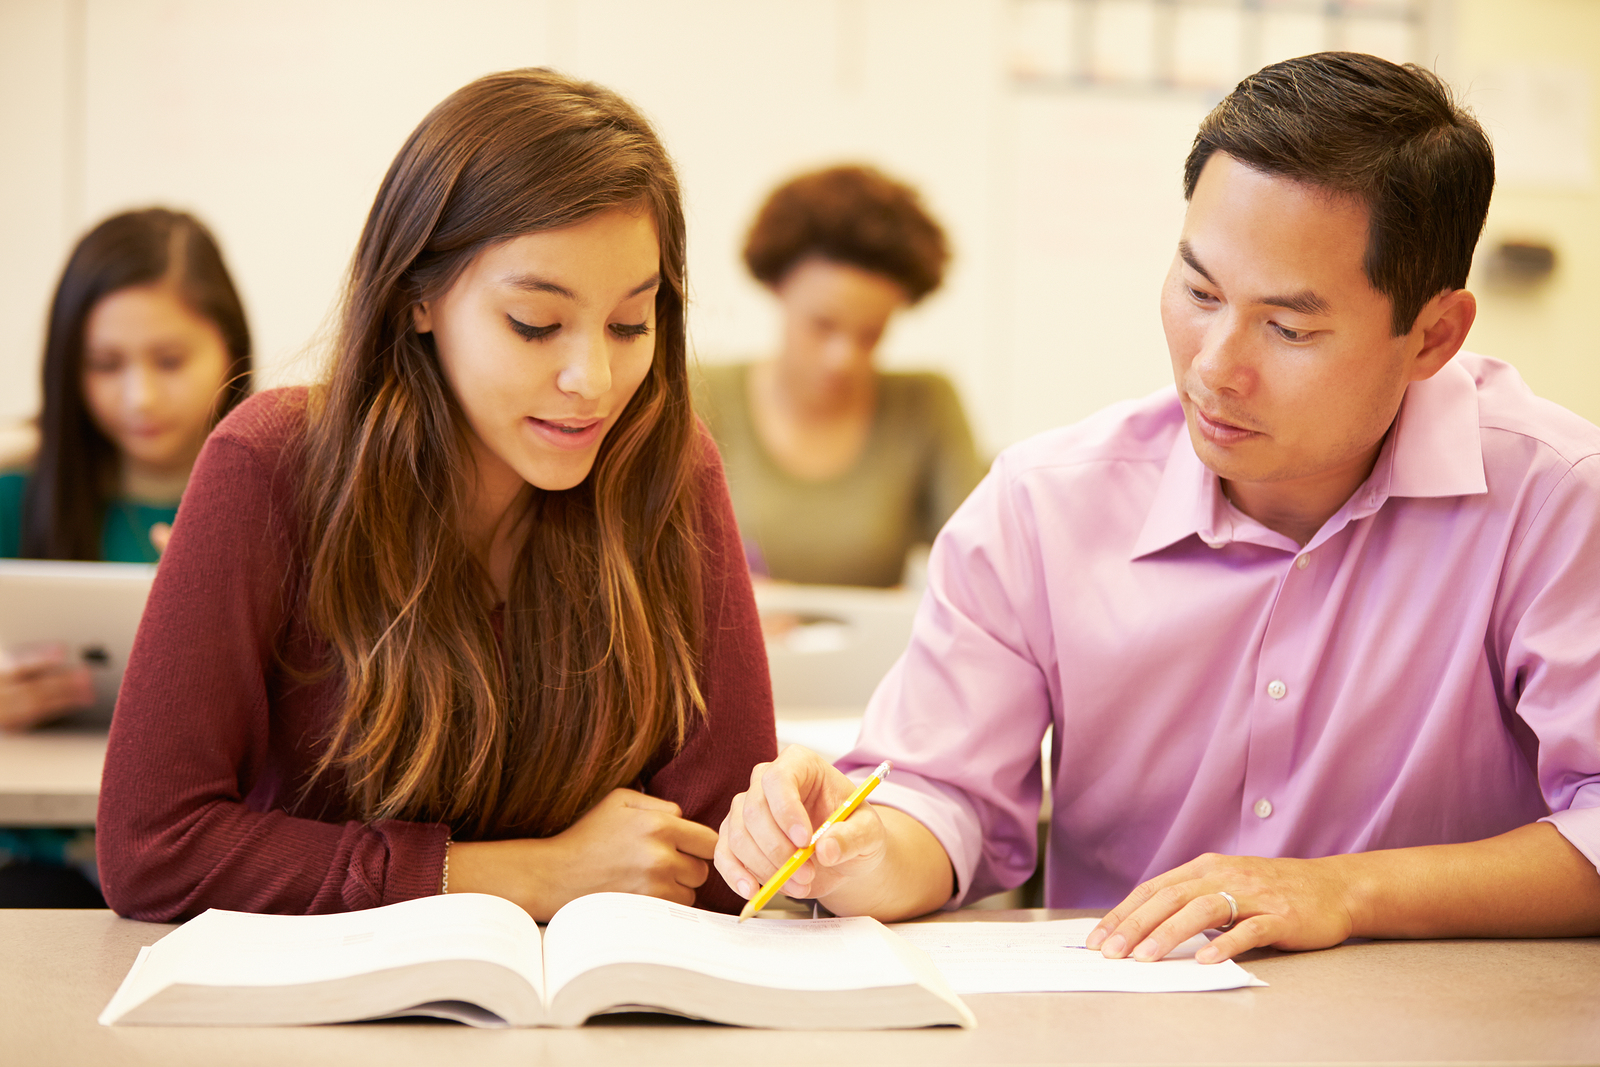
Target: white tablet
[92, 608]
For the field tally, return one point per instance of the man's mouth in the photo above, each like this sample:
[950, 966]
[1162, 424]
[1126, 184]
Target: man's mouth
[1220, 430]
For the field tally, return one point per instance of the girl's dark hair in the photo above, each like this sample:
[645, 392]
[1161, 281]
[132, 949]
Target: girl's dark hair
[854, 215]
[76, 469]
[1389, 135]
[601, 631]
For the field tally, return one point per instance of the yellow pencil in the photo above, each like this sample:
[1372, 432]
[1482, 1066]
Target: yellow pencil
[794, 862]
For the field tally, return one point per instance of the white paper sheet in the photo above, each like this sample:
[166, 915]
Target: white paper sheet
[1050, 957]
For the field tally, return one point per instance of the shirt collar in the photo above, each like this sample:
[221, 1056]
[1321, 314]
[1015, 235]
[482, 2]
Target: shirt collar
[1434, 450]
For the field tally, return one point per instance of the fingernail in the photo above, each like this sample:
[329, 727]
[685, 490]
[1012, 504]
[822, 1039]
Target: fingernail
[1115, 946]
[798, 834]
[1145, 952]
[1096, 936]
[1209, 954]
[828, 851]
[746, 890]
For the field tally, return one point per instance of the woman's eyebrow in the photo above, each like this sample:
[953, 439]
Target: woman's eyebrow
[534, 284]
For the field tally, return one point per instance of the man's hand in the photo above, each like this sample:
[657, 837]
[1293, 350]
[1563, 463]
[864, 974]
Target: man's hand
[1527, 882]
[40, 685]
[787, 799]
[1287, 903]
[878, 862]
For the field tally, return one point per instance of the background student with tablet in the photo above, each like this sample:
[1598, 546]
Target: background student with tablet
[472, 614]
[147, 347]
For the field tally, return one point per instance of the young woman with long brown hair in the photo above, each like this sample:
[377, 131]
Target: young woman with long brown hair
[472, 614]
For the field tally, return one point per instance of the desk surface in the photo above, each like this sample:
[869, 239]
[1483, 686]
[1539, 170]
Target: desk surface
[1393, 1002]
[51, 777]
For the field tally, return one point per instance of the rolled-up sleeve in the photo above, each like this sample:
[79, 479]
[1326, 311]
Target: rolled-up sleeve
[1550, 631]
[963, 711]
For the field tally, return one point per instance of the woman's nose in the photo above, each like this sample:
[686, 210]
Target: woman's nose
[586, 371]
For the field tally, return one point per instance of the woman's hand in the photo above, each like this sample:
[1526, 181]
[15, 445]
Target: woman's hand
[39, 685]
[627, 843]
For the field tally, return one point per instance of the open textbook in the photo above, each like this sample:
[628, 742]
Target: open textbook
[1050, 957]
[480, 959]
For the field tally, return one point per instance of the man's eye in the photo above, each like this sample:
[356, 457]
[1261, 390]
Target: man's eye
[1288, 334]
[1200, 295]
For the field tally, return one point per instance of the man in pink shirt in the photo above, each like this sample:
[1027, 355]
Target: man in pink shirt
[1318, 630]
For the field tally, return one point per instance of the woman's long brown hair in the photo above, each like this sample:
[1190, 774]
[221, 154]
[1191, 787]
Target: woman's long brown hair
[600, 632]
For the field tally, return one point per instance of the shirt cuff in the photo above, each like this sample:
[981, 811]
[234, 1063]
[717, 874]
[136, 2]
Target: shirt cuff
[1581, 826]
[415, 860]
[942, 810]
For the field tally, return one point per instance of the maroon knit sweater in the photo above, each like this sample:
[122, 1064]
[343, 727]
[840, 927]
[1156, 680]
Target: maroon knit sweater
[204, 801]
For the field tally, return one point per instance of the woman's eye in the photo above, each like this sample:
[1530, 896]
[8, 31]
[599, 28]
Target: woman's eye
[630, 330]
[529, 332]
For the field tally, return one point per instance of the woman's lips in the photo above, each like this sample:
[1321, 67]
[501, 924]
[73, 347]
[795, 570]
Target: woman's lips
[568, 435]
[1219, 432]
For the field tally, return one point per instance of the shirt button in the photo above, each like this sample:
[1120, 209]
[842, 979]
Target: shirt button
[1263, 807]
[1276, 690]
[1301, 562]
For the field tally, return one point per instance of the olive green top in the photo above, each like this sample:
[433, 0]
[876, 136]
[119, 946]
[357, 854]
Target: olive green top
[918, 465]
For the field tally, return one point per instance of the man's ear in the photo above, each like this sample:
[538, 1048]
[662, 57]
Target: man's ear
[1443, 325]
[422, 317]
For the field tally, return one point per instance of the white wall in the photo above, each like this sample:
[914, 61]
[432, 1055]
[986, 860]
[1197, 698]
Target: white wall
[1549, 332]
[274, 122]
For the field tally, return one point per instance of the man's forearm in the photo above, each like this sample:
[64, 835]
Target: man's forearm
[914, 878]
[1530, 882]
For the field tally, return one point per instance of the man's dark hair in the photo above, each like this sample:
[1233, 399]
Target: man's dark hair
[1386, 134]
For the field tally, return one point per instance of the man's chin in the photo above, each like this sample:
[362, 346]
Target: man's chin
[1226, 462]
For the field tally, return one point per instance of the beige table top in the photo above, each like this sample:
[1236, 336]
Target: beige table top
[1378, 1002]
[51, 777]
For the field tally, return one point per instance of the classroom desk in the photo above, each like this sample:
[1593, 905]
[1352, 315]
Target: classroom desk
[1442, 1002]
[51, 777]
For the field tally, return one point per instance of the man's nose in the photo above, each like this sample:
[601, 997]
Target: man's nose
[1226, 360]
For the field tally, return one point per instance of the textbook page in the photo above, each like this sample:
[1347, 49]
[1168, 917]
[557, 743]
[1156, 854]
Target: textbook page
[613, 928]
[1050, 957]
[229, 948]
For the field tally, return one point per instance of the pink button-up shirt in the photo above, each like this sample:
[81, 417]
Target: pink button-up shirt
[1425, 670]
